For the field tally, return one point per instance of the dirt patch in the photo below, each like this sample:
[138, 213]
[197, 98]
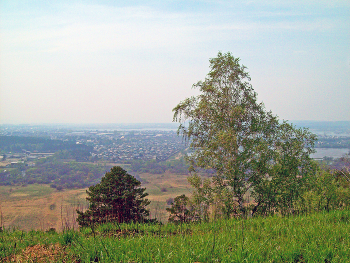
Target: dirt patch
[18, 195]
[42, 253]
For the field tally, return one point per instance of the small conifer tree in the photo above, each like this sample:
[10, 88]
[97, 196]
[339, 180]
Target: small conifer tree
[118, 198]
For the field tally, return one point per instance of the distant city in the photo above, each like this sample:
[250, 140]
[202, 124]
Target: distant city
[125, 142]
[108, 142]
[77, 156]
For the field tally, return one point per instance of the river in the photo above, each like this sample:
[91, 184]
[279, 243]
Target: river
[330, 152]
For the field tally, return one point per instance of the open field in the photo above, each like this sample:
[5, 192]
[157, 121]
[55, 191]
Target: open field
[38, 206]
[41, 207]
[161, 187]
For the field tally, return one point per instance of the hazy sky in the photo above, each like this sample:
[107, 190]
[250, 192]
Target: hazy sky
[134, 61]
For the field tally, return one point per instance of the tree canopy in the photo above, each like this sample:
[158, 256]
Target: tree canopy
[231, 132]
[118, 198]
[181, 210]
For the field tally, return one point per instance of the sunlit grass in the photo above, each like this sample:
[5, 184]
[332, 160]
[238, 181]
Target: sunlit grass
[322, 237]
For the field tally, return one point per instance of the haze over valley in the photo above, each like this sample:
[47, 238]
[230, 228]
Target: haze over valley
[174, 131]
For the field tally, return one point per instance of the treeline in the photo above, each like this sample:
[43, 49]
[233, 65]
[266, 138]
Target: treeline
[339, 164]
[61, 172]
[326, 190]
[79, 155]
[19, 144]
[176, 166]
[56, 172]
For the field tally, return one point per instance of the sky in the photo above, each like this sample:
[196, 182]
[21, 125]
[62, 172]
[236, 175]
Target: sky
[134, 61]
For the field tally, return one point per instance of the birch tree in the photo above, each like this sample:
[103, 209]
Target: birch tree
[229, 131]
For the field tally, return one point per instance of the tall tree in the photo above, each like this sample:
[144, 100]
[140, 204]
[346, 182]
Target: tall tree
[290, 173]
[118, 198]
[228, 130]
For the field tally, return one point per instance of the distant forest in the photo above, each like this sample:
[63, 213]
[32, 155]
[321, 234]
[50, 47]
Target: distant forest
[19, 144]
[53, 171]
[61, 172]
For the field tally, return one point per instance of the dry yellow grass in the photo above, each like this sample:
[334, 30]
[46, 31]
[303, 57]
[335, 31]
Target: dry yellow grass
[161, 187]
[41, 207]
[38, 206]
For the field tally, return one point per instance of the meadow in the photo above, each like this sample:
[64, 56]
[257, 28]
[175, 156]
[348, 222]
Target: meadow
[320, 237]
[39, 207]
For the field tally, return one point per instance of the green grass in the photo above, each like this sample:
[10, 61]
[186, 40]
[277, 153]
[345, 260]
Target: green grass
[322, 237]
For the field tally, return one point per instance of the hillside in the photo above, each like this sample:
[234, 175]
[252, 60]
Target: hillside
[322, 237]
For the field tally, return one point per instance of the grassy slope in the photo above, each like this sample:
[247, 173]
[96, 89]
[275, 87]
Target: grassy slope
[41, 207]
[322, 237]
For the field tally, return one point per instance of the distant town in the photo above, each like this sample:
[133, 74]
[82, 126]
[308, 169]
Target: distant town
[75, 157]
[126, 142]
[106, 144]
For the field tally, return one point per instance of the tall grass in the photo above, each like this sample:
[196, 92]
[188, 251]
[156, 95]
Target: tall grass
[321, 237]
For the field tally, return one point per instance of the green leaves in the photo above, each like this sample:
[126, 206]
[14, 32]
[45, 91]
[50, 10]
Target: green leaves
[118, 198]
[230, 132]
[181, 210]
